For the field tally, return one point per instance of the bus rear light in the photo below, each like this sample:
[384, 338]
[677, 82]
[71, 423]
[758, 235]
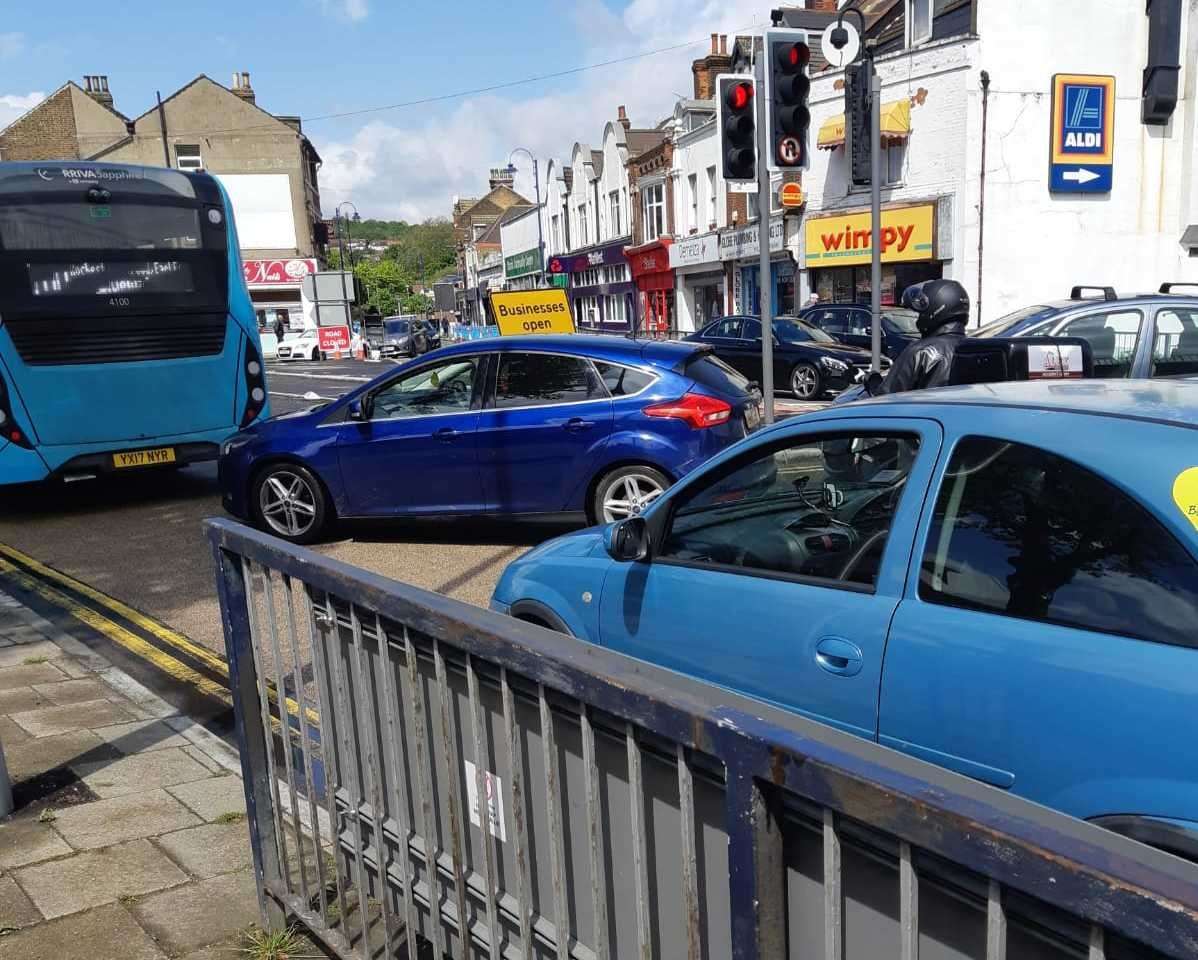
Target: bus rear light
[696, 409]
[255, 386]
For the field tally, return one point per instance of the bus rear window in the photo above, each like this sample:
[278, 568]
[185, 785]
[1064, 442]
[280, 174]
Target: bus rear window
[84, 226]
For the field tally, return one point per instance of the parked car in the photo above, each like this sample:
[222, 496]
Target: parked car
[299, 345]
[1137, 335]
[853, 324]
[932, 571]
[596, 426]
[807, 361]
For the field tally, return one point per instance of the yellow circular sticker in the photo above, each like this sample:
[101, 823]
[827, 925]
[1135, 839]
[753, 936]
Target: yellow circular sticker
[1185, 494]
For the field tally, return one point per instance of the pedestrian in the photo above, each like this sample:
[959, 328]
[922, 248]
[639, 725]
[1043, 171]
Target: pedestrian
[279, 330]
[812, 301]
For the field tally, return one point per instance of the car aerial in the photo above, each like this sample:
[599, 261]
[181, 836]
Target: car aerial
[594, 426]
[807, 361]
[1132, 335]
[931, 571]
[852, 324]
[299, 345]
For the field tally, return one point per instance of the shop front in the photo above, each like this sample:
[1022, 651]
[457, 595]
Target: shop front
[274, 287]
[739, 249]
[654, 279]
[522, 271]
[601, 292]
[700, 293]
[838, 252]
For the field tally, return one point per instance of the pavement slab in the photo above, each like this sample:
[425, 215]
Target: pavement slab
[38, 755]
[11, 734]
[22, 700]
[107, 932]
[27, 675]
[142, 736]
[210, 850]
[212, 798]
[140, 772]
[23, 653]
[97, 877]
[202, 913]
[73, 668]
[74, 691]
[16, 909]
[71, 716]
[26, 841]
[106, 822]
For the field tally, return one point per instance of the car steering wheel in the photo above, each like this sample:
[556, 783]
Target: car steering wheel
[860, 552]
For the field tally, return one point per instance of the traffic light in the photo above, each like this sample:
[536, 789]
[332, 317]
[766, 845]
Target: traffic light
[857, 120]
[788, 119]
[738, 127]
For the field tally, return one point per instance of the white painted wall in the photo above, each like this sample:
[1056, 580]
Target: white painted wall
[262, 209]
[694, 153]
[518, 236]
[614, 178]
[582, 193]
[555, 197]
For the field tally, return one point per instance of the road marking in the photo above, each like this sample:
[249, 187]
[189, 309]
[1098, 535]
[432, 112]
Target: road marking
[300, 396]
[319, 376]
[34, 575]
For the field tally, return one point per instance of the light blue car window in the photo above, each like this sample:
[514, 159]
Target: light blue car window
[1175, 349]
[1023, 532]
[816, 508]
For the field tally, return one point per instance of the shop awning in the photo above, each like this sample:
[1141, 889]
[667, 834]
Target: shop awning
[896, 126]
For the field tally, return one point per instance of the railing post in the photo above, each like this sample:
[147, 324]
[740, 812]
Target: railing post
[756, 869]
[256, 771]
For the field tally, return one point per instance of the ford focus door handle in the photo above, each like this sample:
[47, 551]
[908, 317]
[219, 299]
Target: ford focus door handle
[839, 657]
[574, 424]
[446, 434]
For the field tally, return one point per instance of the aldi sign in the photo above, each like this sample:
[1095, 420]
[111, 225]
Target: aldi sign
[1082, 147]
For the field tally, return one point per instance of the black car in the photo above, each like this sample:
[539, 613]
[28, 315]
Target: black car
[807, 361]
[850, 323]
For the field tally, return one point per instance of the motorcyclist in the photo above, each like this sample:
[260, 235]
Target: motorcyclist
[943, 308]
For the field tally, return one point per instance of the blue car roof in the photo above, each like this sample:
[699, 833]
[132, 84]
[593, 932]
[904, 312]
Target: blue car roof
[661, 353]
[1166, 401]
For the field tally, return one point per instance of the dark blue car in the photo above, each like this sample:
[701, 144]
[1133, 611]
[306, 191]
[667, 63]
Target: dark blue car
[599, 426]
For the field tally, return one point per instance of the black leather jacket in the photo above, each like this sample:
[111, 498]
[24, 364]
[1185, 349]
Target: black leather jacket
[926, 363]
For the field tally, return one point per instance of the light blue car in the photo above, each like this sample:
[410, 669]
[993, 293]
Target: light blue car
[1000, 579]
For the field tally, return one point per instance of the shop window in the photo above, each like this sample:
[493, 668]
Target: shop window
[653, 208]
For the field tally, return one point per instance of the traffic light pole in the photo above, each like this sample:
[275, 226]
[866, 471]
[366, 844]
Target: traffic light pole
[764, 279]
[875, 190]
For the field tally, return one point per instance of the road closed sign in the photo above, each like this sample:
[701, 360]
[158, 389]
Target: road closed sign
[333, 339]
[532, 311]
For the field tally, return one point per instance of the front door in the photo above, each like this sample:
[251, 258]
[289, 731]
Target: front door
[778, 572]
[416, 451]
[545, 421]
[1046, 642]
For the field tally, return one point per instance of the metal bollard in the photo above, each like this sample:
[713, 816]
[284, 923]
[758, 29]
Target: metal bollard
[5, 787]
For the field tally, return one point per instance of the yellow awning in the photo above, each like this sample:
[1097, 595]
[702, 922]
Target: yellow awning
[896, 125]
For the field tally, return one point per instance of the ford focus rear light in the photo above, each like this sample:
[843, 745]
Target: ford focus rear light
[9, 431]
[698, 410]
[255, 383]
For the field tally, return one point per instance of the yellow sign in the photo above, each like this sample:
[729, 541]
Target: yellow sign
[144, 458]
[1185, 494]
[532, 311]
[842, 240]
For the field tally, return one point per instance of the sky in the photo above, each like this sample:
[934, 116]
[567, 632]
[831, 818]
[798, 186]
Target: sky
[320, 58]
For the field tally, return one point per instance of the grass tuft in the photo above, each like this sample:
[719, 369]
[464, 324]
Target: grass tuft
[34, 661]
[47, 816]
[275, 945]
[234, 816]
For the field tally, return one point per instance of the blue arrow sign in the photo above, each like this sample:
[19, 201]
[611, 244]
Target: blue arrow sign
[1081, 151]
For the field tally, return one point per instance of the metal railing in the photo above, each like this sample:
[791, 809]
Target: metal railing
[453, 779]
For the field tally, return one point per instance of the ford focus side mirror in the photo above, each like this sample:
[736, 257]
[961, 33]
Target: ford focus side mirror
[628, 540]
[356, 410]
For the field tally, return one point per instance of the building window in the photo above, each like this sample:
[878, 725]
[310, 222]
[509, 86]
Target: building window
[617, 226]
[556, 233]
[616, 274]
[653, 207]
[712, 218]
[583, 234]
[892, 169]
[692, 186]
[187, 156]
[752, 206]
[919, 14]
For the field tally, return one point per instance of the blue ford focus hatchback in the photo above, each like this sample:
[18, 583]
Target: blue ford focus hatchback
[1001, 579]
[596, 426]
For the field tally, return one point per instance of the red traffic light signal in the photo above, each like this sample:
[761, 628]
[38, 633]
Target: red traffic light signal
[739, 95]
[796, 56]
[737, 125]
[787, 116]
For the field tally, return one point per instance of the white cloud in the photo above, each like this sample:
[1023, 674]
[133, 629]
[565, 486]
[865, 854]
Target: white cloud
[11, 44]
[350, 9]
[12, 105]
[399, 167]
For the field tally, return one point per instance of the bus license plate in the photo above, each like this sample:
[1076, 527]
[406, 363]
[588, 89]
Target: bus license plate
[144, 458]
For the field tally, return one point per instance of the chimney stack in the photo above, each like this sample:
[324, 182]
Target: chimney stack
[242, 88]
[501, 178]
[706, 70]
[622, 116]
[96, 87]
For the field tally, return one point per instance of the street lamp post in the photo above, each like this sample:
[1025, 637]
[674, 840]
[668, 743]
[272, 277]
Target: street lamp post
[342, 235]
[536, 180]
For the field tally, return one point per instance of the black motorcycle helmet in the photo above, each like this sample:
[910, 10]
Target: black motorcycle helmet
[938, 302]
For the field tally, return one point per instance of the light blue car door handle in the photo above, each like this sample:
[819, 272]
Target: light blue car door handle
[839, 657]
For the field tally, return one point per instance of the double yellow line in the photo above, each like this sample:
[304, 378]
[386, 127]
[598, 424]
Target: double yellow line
[170, 657]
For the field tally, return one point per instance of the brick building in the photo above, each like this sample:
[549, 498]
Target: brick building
[474, 217]
[264, 161]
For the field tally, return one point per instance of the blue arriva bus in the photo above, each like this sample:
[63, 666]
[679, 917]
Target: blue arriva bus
[127, 337]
